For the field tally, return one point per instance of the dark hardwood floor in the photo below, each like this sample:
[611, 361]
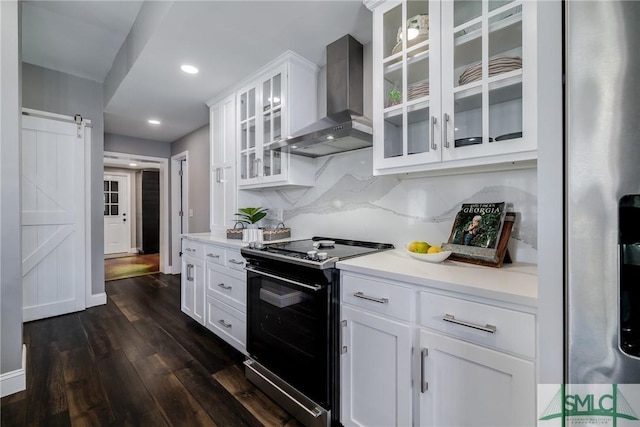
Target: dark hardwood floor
[136, 361]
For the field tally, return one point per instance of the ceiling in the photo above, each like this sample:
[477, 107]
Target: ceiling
[226, 40]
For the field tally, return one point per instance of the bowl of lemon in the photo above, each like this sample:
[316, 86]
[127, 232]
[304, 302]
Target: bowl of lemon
[423, 251]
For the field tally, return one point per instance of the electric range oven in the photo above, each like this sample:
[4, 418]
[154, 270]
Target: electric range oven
[293, 310]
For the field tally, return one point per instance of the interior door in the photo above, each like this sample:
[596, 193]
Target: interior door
[53, 217]
[116, 220]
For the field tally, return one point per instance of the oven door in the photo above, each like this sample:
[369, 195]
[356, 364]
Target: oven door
[288, 329]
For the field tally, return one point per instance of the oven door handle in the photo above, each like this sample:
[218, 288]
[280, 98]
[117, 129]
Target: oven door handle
[273, 276]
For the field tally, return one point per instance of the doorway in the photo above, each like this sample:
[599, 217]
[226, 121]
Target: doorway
[152, 172]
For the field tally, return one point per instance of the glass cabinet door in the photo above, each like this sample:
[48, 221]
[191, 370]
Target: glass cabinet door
[247, 115]
[272, 101]
[410, 48]
[482, 77]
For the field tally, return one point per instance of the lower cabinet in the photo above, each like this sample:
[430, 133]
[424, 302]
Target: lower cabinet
[214, 290]
[375, 370]
[415, 356]
[192, 292]
[463, 384]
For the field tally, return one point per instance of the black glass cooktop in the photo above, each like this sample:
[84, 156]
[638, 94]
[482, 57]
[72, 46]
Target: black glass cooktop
[335, 248]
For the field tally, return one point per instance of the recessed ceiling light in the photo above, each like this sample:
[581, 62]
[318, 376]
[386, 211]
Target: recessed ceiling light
[153, 122]
[330, 137]
[189, 69]
[133, 164]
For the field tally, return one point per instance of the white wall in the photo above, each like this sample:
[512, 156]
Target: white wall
[142, 147]
[197, 144]
[10, 244]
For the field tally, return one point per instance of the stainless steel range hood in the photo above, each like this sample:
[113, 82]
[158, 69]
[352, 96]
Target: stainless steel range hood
[344, 128]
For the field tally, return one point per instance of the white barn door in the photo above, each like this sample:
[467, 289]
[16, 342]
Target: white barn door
[53, 217]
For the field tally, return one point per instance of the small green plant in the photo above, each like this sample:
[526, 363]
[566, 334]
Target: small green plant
[251, 215]
[395, 96]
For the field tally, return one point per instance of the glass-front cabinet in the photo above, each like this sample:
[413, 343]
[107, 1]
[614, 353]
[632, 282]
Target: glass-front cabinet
[455, 83]
[278, 101]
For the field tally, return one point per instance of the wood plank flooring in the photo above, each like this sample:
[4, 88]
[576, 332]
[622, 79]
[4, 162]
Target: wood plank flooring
[136, 361]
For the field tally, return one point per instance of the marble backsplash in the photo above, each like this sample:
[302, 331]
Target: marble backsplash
[349, 202]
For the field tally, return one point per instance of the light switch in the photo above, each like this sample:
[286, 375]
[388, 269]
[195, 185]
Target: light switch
[190, 213]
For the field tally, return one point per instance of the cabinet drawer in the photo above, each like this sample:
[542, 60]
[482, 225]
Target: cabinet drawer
[379, 297]
[192, 249]
[234, 260]
[226, 287]
[514, 330]
[214, 254]
[227, 322]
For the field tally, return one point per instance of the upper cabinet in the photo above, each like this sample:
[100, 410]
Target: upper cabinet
[455, 84]
[280, 100]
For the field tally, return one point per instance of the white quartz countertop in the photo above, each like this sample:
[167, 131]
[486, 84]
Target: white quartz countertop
[515, 283]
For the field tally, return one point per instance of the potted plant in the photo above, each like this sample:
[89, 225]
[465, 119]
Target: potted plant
[250, 217]
[395, 96]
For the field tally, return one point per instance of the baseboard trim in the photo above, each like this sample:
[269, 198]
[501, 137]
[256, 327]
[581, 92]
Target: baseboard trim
[15, 381]
[97, 299]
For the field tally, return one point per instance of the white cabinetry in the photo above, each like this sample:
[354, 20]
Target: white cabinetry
[465, 384]
[278, 100]
[459, 360]
[192, 292]
[376, 354]
[214, 290]
[455, 84]
[222, 121]
[226, 292]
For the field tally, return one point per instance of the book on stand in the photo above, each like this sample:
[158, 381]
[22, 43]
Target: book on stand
[480, 234]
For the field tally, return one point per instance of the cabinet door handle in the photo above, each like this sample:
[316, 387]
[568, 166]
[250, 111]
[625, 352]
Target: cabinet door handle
[225, 324]
[445, 129]
[343, 348]
[486, 328]
[434, 146]
[424, 384]
[235, 261]
[189, 272]
[223, 286]
[213, 256]
[259, 167]
[368, 298]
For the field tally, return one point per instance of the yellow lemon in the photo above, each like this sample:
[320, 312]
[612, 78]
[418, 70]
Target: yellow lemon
[412, 246]
[422, 247]
[434, 250]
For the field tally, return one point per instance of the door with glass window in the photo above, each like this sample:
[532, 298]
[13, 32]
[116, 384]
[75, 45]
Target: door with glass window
[116, 214]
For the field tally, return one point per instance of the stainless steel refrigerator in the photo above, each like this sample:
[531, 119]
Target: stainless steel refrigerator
[602, 192]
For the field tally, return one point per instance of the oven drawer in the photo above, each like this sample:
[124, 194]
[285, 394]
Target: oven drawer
[227, 322]
[235, 260]
[379, 297]
[192, 249]
[226, 287]
[483, 324]
[214, 254]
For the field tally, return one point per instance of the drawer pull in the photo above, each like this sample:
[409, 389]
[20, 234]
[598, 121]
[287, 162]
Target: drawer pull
[225, 324]
[222, 285]
[368, 298]
[213, 256]
[487, 328]
[190, 250]
[235, 261]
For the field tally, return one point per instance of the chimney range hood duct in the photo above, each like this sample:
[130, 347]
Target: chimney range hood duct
[344, 128]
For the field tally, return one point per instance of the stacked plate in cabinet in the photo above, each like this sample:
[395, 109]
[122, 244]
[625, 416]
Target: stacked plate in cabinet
[496, 66]
[418, 90]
